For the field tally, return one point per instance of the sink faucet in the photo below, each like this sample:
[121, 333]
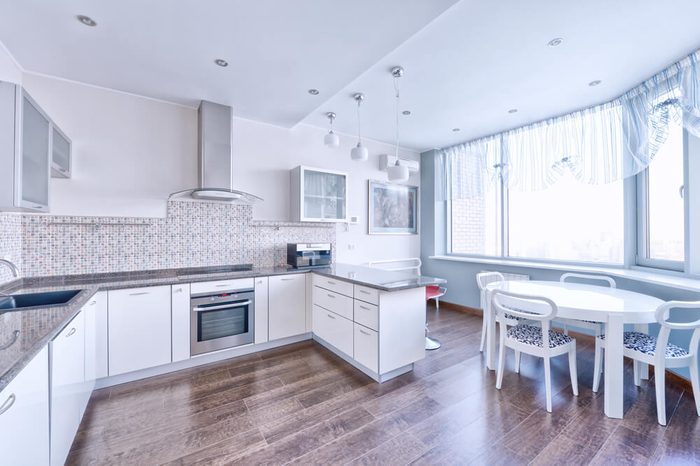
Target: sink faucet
[13, 268]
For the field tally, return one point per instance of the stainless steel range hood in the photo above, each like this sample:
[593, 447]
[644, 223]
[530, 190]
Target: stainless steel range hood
[216, 158]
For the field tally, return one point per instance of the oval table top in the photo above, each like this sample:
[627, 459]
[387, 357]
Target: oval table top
[587, 302]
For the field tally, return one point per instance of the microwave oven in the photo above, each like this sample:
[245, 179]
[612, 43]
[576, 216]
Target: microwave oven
[305, 255]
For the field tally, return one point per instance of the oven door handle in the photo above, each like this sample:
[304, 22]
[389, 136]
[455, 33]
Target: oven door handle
[222, 306]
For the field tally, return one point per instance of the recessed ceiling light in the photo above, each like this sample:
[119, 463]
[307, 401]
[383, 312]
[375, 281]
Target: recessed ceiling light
[513, 110]
[313, 91]
[595, 83]
[221, 62]
[406, 112]
[555, 42]
[86, 20]
[456, 130]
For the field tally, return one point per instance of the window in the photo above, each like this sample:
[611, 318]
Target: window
[570, 221]
[661, 205]
[476, 224]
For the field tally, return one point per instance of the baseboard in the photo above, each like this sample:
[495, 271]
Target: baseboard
[460, 308]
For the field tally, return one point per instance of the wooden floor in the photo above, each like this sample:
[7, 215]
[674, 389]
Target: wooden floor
[301, 404]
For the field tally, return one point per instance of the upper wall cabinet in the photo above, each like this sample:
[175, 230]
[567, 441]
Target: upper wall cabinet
[318, 195]
[60, 154]
[29, 141]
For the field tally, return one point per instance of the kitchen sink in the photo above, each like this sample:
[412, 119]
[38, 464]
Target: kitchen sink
[18, 302]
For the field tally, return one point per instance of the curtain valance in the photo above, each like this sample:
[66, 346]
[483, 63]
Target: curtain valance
[597, 145]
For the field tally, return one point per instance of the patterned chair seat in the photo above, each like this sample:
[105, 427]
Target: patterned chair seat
[646, 344]
[531, 335]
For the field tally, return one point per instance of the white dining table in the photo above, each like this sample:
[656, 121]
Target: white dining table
[612, 306]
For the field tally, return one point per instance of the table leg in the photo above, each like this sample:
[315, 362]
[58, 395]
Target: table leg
[643, 368]
[490, 335]
[614, 369]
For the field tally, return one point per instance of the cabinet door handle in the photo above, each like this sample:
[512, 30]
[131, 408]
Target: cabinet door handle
[363, 307]
[92, 303]
[12, 341]
[330, 296]
[332, 317]
[331, 282]
[139, 293]
[259, 282]
[286, 279]
[365, 292]
[37, 207]
[223, 285]
[71, 333]
[365, 333]
[8, 403]
[177, 290]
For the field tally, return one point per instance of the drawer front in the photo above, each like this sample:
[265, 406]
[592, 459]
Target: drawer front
[222, 285]
[367, 294]
[332, 284]
[333, 302]
[334, 329]
[366, 314]
[366, 344]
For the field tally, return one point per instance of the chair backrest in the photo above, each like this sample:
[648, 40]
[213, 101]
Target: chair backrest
[662, 316]
[529, 307]
[397, 265]
[589, 277]
[483, 279]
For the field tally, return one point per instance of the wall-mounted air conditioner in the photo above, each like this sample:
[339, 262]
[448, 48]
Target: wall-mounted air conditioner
[385, 160]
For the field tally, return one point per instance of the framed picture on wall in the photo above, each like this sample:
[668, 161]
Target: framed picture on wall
[393, 209]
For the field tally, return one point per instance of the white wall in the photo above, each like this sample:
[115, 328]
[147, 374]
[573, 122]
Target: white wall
[9, 71]
[130, 152]
[264, 155]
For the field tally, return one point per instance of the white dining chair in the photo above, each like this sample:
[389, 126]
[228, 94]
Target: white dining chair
[484, 279]
[657, 351]
[529, 339]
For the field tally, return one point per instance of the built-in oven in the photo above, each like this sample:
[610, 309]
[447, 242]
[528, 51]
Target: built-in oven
[221, 320]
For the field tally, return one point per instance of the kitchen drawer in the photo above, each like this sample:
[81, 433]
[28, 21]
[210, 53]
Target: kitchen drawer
[332, 301]
[222, 285]
[366, 344]
[332, 284]
[367, 294]
[366, 314]
[334, 329]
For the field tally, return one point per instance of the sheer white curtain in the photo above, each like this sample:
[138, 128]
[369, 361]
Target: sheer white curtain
[598, 145]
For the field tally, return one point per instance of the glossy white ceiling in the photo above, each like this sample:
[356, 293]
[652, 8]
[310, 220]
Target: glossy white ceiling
[467, 62]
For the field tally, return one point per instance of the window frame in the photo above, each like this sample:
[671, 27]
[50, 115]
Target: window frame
[641, 256]
[633, 256]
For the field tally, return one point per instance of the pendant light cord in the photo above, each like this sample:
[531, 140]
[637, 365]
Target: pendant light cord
[398, 97]
[359, 123]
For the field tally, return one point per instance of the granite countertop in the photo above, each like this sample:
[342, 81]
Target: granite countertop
[37, 326]
[385, 280]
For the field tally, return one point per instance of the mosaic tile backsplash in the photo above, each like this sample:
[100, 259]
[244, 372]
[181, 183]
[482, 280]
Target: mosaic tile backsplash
[192, 234]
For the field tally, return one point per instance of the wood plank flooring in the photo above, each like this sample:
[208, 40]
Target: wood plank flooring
[303, 405]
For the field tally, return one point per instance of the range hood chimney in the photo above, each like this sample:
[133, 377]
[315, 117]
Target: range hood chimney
[215, 158]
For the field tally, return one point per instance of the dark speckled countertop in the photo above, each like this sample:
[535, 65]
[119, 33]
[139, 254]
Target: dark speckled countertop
[38, 326]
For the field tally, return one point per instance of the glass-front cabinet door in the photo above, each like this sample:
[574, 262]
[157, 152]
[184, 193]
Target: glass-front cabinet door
[61, 154]
[35, 154]
[319, 195]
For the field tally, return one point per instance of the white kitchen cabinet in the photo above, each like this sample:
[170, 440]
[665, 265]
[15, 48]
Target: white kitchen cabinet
[67, 352]
[180, 302]
[287, 306]
[334, 329]
[95, 312]
[318, 195]
[139, 329]
[25, 151]
[366, 347]
[60, 153]
[24, 415]
[261, 309]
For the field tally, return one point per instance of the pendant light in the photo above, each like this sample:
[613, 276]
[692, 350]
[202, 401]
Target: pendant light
[397, 172]
[331, 139]
[359, 152]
